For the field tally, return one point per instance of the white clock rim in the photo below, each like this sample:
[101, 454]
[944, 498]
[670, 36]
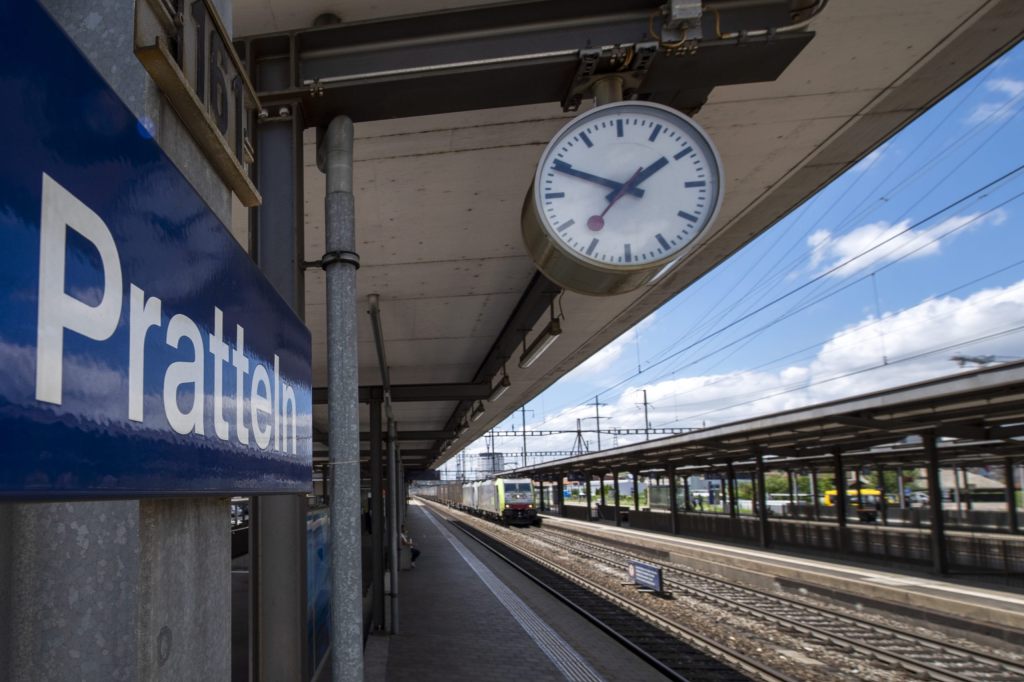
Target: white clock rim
[583, 259]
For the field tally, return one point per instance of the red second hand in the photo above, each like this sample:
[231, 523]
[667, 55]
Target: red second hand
[596, 222]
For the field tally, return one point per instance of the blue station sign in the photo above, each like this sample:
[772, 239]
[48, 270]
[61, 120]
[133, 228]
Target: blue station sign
[142, 352]
[645, 576]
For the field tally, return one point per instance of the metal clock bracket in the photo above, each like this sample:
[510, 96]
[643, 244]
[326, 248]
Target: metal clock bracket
[628, 62]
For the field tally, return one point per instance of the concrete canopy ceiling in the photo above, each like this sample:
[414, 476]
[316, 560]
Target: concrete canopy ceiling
[438, 197]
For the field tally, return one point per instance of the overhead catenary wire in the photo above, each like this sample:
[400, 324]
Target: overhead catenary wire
[834, 269]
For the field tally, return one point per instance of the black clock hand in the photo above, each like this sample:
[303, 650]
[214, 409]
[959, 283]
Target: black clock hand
[639, 178]
[563, 167]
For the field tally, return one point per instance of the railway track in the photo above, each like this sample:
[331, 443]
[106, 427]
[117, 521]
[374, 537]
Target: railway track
[677, 652]
[925, 657]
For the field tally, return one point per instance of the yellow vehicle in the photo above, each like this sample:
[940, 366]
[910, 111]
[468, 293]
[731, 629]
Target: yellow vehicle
[867, 502]
[866, 497]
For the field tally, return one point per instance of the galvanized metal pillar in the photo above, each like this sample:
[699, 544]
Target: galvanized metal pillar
[615, 483]
[1011, 496]
[277, 535]
[883, 504]
[814, 494]
[731, 485]
[377, 514]
[589, 503]
[840, 499]
[762, 503]
[334, 157]
[636, 489]
[938, 526]
[395, 520]
[900, 484]
[673, 504]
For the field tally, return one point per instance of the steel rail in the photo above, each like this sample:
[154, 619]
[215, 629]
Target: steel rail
[855, 640]
[696, 640]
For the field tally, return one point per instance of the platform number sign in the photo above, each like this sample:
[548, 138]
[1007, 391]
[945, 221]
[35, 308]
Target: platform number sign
[214, 77]
[186, 49]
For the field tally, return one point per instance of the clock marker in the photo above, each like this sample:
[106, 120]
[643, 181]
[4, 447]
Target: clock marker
[566, 225]
[554, 195]
[626, 253]
[661, 240]
[696, 183]
[654, 135]
[687, 217]
[586, 140]
[593, 244]
[686, 150]
[618, 127]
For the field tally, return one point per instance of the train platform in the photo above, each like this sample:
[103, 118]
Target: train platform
[465, 615]
[955, 605]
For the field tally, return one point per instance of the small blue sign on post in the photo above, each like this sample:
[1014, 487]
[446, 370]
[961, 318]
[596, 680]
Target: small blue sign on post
[143, 352]
[645, 576]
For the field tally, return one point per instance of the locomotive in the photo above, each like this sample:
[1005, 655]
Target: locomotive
[506, 500]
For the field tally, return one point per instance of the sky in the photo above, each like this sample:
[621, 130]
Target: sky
[911, 257]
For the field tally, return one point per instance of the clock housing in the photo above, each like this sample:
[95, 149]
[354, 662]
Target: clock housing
[620, 194]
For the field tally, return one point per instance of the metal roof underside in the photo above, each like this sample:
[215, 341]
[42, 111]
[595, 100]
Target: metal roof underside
[978, 418]
[444, 158]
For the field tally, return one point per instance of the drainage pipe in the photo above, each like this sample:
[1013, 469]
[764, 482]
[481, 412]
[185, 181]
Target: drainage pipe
[334, 157]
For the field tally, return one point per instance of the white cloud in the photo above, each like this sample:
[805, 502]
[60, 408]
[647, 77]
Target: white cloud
[1010, 91]
[871, 159]
[889, 242]
[605, 358]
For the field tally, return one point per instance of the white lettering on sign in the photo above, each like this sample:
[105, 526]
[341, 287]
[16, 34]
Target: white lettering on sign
[272, 404]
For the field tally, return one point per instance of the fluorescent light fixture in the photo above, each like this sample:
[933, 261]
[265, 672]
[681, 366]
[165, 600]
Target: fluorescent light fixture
[477, 412]
[541, 343]
[500, 388]
[463, 427]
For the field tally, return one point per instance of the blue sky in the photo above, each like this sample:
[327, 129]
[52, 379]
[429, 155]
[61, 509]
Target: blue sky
[881, 279]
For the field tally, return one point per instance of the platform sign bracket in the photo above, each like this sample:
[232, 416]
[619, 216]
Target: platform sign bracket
[188, 53]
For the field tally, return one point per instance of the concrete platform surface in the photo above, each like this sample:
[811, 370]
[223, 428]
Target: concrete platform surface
[465, 615]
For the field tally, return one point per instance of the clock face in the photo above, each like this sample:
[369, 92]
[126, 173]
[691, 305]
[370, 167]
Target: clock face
[627, 186]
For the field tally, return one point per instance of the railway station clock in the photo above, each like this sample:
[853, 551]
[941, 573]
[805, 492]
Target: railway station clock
[619, 194]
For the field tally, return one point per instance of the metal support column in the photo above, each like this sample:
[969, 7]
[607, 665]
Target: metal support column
[590, 505]
[602, 492]
[731, 484]
[883, 503]
[1011, 496]
[615, 492]
[840, 499]
[541, 507]
[561, 495]
[377, 513]
[636, 490]
[814, 494]
[334, 158]
[938, 526]
[673, 505]
[762, 503]
[687, 503]
[277, 534]
[395, 520]
[900, 484]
